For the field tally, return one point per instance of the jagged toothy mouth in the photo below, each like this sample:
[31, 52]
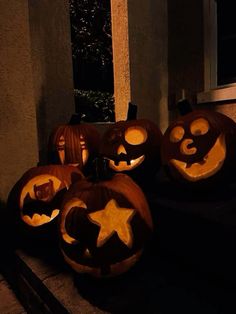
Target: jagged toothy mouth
[125, 165]
[39, 219]
[208, 166]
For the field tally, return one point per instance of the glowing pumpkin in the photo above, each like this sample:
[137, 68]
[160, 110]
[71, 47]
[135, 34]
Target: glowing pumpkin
[133, 147]
[35, 199]
[104, 226]
[200, 147]
[75, 145]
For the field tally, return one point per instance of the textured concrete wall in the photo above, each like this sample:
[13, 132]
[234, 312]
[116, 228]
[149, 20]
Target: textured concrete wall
[121, 64]
[36, 82]
[18, 132]
[148, 44]
[52, 65]
[140, 40]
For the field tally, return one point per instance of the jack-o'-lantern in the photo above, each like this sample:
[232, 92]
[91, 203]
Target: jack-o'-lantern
[133, 147]
[75, 144]
[36, 197]
[200, 147]
[104, 226]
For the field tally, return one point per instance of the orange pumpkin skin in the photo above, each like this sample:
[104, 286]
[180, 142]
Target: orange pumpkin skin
[104, 226]
[199, 149]
[34, 201]
[75, 145]
[133, 147]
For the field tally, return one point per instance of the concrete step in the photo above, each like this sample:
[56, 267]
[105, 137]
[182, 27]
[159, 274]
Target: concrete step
[9, 303]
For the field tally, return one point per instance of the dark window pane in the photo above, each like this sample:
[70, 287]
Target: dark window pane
[226, 42]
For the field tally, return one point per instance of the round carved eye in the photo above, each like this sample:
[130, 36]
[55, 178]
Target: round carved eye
[135, 135]
[199, 127]
[176, 134]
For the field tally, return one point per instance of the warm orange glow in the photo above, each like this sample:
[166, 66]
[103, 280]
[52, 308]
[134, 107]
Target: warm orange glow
[37, 181]
[211, 163]
[74, 202]
[199, 127]
[185, 149]
[176, 134]
[116, 269]
[136, 135]
[37, 220]
[123, 166]
[113, 219]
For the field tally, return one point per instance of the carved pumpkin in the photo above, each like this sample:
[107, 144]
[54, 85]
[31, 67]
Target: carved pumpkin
[133, 147]
[74, 144]
[200, 147]
[36, 197]
[104, 226]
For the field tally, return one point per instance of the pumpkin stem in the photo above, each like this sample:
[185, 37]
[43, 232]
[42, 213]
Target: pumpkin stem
[132, 112]
[75, 119]
[184, 106]
[100, 169]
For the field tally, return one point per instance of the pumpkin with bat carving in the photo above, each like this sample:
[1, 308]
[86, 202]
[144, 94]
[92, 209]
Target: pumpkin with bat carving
[104, 225]
[133, 147]
[75, 144]
[200, 147]
[35, 198]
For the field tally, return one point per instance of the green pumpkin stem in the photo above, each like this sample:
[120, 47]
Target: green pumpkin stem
[75, 119]
[184, 106]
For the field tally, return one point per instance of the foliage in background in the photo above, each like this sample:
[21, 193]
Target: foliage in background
[92, 59]
[91, 30]
[93, 106]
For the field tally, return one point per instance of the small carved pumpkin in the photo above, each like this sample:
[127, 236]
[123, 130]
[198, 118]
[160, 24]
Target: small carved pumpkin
[74, 144]
[37, 195]
[200, 147]
[104, 226]
[133, 147]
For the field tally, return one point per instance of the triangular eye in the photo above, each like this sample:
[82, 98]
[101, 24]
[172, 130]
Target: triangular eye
[136, 135]
[74, 202]
[199, 127]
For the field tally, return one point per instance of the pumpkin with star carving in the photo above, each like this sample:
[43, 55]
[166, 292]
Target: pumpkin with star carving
[104, 225]
[34, 201]
[199, 147]
[133, 147]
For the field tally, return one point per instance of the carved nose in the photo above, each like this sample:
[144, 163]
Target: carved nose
[185, 149]
[121, 150]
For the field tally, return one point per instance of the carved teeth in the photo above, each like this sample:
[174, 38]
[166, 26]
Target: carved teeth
[38, 220]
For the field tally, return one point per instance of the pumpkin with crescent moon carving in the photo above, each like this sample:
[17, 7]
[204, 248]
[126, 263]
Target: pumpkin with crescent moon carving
[104, 226]
[200, 147]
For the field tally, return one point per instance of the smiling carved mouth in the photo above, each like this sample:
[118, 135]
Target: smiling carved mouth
[207, 167]
[124, 165]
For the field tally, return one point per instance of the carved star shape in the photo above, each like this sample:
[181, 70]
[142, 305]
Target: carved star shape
[113, 219]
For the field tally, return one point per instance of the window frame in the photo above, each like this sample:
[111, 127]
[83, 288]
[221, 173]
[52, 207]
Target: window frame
[213, 92]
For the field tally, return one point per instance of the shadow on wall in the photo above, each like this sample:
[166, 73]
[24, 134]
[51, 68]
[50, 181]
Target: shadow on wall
[41, 114]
